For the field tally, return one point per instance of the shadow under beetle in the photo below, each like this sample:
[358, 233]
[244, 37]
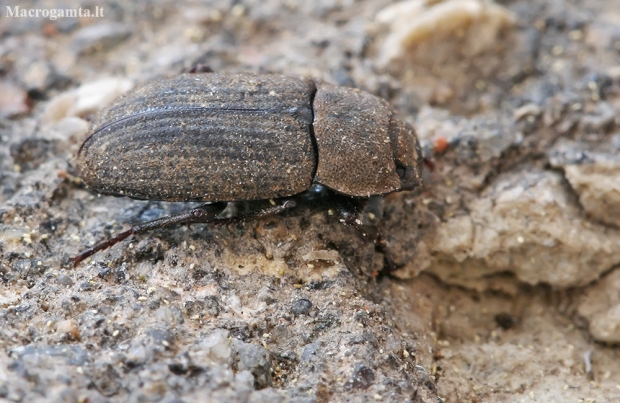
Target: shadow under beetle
[221, 137]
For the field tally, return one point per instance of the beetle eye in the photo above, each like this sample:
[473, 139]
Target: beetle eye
[401, 172]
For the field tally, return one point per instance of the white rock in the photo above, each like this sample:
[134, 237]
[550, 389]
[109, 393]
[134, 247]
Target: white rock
[86, 99]
[215, 348]
[93, 96]
[244, 380]
[67, 128]
[417, 21]
[13, 100]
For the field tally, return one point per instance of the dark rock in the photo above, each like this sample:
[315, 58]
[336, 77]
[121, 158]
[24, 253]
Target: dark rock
[362, 377]
[64, 280]
[301, 307]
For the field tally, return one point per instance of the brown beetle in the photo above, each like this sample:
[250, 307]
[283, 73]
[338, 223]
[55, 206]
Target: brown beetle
[222, 137]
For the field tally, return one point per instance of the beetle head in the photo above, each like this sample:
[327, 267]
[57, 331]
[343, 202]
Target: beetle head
[408, 157]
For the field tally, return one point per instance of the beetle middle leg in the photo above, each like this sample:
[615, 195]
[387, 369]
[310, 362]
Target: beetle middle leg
[348, 211]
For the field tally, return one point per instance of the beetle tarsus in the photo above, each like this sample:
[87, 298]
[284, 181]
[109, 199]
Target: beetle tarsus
[255, 215]
[101, 246]
[348, 211]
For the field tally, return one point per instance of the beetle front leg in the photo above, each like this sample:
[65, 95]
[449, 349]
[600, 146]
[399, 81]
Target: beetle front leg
[200, 214]
[348, 211]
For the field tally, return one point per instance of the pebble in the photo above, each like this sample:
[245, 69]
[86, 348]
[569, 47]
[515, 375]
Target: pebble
[13, 100]
[301, 307]
[10, 233]
[253, 358]
[362, 377]
[217, 346]
[310, 352]
[70, 327]
[64, 280]
[327, 255]
[67, 128]
[86, 99]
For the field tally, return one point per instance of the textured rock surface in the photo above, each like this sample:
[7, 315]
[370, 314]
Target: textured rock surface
[527, 224]
[594, 176]
[601, 308]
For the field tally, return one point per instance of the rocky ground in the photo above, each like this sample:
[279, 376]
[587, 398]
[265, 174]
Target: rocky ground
[508, 286]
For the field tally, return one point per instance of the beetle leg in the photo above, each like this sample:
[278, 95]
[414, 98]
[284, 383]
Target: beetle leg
[197, 215]
[204, 214]
[349, 212]
[254, 215]
[381, 245]
[200, 68]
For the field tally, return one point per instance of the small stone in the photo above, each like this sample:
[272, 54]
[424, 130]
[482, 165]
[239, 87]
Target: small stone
[413, 22]
[86, 286]
[255, 359]
[244, 380]
[137, 354]
[64, 280]
[266, 297]
[86, 99]
[13, 100]
[362, 377]
[601, 308]
[527, 110]
[69, 327]
[93, 96]
[217, 346]
[58, 107]
[11, 233]
[310, 352]
[37, 76]
[69, 127]
[160, 337]
[301, 307]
